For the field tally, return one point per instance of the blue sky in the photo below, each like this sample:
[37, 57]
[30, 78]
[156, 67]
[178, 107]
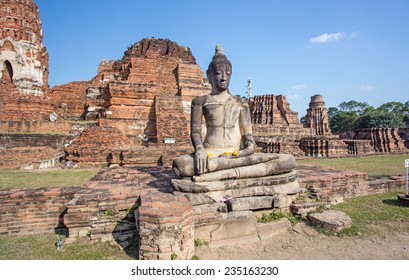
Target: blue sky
[342, 50]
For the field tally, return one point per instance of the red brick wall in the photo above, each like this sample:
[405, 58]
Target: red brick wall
[69, 100]
[30, 211]
[34, 127]
[171, 121]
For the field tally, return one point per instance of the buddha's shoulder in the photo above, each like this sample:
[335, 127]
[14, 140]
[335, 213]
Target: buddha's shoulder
[202, 100]
[199, 100]
[241, 100]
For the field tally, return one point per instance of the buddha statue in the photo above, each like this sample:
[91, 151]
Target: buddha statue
[227, 150]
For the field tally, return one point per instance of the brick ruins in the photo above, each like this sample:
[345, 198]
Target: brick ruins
[25, 97]
[278, 130]
[24, 91]
[145, 96]
[135, 112]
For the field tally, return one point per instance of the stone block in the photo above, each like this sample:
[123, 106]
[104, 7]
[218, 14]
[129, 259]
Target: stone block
[252, 203]
[198, 187]
[271, 229]
[304, 207]
[204, 232]
[195, 198]
[239, 227]
[332, 220]
[282, 201]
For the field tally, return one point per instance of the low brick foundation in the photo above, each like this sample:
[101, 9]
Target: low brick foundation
[32, 211]
[332, 182]
[107, 206]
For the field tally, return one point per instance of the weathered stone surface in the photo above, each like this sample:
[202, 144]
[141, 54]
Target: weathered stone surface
[252, 203]
[199, 187]
[331, 220]
[204, 232]
[286, 189]
[196, 199]
[208, 214]
[304, 207]
[282, 201]
[239, 227]
[271, 229]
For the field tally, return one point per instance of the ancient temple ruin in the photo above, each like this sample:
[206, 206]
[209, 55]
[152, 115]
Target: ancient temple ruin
[317, 116]
[142, 100]
[134, 114]
[277, 129]
[24, 92]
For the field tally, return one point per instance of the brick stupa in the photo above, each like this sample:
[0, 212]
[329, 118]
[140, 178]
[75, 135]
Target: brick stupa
[141, 103]
[24, 91]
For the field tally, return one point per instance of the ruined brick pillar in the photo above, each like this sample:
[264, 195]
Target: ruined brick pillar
[317, 116]
[24, 90]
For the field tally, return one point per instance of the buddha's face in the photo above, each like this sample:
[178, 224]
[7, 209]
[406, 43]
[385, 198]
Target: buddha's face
[219, 76]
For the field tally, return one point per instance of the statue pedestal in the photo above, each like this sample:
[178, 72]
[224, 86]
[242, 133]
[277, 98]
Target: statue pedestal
[224, 210]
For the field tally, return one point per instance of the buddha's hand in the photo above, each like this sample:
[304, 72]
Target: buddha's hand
[249, 146]
[200, 160]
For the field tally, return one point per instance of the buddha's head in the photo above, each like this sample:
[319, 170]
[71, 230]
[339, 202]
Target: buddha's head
[219, 71]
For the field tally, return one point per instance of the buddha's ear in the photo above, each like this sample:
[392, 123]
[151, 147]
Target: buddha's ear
[208, 73]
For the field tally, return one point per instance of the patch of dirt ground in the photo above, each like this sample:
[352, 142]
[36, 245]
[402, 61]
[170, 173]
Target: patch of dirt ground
[305, 243]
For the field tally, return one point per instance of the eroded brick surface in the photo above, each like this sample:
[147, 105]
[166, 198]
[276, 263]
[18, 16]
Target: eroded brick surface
[24, 92]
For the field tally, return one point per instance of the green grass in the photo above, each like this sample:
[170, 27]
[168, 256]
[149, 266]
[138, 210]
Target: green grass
[10, 179]
[43, 247]
[375, 166]
[276, 215]
[375, 214]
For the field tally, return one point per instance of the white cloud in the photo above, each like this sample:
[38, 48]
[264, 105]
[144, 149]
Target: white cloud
[367, 87]
[292, 96]
[298, 87]
[326, 37]
[354, 35]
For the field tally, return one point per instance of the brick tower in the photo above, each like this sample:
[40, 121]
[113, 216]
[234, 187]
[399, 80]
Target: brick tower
[317, 116]
[24, 90]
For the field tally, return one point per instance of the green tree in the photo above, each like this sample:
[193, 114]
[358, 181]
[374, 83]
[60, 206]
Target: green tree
[353, 106]
[393, 107]
[343, 121]
[332, 111]
[380, 118]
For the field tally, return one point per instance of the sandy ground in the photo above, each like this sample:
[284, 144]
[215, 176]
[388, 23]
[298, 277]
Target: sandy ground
[304, 243]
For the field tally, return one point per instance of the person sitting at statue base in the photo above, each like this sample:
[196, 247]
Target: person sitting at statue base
[227, 151]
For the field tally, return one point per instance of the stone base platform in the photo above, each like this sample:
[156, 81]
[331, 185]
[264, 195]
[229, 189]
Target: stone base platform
[239, 228]
[222, 210]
